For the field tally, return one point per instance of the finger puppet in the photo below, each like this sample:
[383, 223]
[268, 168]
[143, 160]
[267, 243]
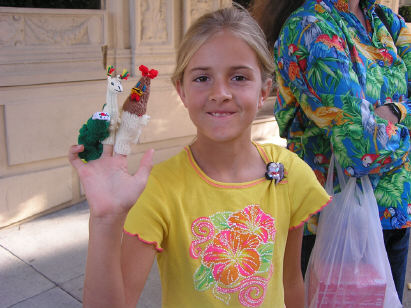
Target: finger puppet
[134, 117]
[114, 87]
[92, 133]
[100, 128]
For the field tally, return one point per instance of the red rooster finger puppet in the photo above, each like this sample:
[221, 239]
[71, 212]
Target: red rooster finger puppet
[134, 116]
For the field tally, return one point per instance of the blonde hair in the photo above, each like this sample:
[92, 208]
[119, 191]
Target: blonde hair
[240, 23]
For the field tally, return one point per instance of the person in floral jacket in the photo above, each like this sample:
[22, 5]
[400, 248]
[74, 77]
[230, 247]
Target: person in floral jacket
[342, 73]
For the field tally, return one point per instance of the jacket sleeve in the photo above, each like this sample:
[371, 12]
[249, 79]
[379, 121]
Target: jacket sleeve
[402, 39]
[286, 111]
[316, 66]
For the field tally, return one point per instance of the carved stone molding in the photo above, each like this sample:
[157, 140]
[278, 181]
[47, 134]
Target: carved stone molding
[152, 33]
[50, 28]
[195, 8]
[11, 30]
[50, 45]
[151, 24]
[154, 23]
[200, 7]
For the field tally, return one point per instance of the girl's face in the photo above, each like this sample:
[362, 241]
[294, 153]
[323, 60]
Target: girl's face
[222, 88]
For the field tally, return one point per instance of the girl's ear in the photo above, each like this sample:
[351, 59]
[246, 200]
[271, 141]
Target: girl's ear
[265, 92]
[180, 91]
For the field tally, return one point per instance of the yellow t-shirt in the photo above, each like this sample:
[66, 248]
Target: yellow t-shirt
[223, 243]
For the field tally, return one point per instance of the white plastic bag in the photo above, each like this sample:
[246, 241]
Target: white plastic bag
[349, 266]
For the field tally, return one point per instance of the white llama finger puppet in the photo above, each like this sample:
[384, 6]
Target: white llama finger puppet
[114, 87]
[101, 127]
[134, 116]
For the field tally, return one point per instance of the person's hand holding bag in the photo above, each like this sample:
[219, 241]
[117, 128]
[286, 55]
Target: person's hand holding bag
[349, 266]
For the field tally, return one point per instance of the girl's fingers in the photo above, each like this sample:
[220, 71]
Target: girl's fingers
[73, 158]
[121, 155]
[107, 150]
[146, 163]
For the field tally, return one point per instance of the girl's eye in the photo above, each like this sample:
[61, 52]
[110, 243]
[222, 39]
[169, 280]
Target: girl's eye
[201, 79]
[239, 78]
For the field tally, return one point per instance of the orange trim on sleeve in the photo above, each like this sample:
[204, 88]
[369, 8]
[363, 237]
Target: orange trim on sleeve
[262, 152]
[309, 215]
[155, 244]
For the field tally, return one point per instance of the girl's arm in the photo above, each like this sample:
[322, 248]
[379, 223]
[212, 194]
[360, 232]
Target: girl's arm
[117, 266]
[111, 191]
[292, 276]
[136, 262]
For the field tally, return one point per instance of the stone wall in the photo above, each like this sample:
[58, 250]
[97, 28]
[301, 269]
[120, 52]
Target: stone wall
[404, 2]
[52, 65]
[393, 4]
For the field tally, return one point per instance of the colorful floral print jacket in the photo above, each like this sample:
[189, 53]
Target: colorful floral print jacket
[332, 74]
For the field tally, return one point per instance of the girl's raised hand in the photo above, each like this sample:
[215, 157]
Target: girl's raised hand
[110, 190]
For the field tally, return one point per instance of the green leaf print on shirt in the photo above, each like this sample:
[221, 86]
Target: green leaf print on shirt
[373, 78]
[266, 254]
[219, 220]
[389, 189]
[203, 278]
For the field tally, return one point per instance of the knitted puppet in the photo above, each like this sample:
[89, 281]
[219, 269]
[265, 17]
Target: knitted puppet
[134, 116]
[100, 128]
[92, 133]
[114, 87]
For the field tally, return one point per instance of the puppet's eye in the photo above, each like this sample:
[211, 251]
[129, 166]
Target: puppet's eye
[112, 83]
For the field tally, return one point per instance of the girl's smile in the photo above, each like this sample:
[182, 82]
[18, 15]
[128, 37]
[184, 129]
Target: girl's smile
[220, 114]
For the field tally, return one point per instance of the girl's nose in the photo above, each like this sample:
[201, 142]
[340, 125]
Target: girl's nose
[219, 92]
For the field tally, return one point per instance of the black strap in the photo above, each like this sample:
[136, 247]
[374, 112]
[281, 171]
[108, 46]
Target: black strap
[381, 15]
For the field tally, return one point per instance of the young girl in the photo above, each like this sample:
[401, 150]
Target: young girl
[226, 228]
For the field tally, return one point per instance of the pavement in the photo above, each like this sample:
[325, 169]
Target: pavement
[42, 263]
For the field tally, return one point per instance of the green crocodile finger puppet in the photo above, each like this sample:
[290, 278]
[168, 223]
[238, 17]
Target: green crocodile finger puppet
[92, 133]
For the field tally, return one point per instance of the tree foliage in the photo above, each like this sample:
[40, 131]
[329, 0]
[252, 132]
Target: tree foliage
[405, 11]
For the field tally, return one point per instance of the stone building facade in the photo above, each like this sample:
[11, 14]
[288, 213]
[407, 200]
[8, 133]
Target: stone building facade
[52, 78]
[52, 64]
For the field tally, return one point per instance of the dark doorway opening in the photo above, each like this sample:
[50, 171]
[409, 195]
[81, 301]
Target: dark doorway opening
[244, 3]
[54, 4]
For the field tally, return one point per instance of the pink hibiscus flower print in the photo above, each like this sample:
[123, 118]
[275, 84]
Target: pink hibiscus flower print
[253, 220]
[232, 255]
